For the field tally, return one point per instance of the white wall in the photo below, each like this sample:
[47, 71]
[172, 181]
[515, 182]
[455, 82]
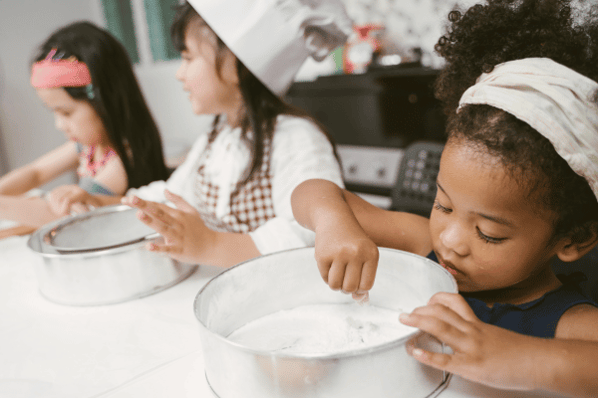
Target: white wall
[170, 105]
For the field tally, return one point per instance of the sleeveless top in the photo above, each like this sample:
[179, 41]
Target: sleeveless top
[537, 318]
[250, 205]
[88, 168]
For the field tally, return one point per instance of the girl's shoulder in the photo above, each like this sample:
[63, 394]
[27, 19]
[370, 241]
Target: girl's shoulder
[298, 131]
[290, 124]
[579, 322]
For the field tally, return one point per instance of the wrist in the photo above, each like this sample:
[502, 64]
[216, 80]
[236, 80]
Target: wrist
[547, 362]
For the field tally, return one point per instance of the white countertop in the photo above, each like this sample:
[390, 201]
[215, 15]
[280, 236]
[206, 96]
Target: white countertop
[145, 348]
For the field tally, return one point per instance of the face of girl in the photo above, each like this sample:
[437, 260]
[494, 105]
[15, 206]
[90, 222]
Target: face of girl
[485, 229]
[210, 93]
[75, 118]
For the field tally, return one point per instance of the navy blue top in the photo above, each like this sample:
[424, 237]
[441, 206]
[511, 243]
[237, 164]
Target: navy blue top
[536, 318]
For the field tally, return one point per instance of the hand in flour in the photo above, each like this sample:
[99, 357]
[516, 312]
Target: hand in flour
[186, 237]
[483, 353]
[347, 259]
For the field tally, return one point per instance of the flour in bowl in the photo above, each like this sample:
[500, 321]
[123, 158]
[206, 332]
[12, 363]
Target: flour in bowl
[322, 329]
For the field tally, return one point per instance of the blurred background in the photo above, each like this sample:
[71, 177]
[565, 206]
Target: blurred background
[27, 128]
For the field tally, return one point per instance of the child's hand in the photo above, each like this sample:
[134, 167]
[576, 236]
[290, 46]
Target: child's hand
[70, 199]
[186, 237]
[347, 258]
[482, 353]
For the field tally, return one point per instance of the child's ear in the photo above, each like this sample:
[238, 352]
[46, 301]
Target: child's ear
[569, 250]
[229, 68]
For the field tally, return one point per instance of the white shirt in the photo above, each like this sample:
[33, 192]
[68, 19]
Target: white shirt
[300, 151]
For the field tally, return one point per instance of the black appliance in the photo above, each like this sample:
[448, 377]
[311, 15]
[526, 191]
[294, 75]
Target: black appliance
[373, 117]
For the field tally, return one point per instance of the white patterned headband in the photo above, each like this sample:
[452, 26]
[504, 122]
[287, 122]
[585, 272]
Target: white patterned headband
[554, 100]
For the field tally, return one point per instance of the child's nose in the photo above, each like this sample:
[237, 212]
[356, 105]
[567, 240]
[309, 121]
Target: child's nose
[453, 237]
[59, 123]
[179, 73]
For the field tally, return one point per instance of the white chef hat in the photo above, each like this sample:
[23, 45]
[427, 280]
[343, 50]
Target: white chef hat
[273, 38]
[556, 101]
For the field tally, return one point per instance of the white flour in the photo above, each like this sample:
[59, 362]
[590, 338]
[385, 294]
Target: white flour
[322, 329]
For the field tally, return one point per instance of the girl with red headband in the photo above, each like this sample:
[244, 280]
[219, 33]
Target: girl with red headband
[84, 76]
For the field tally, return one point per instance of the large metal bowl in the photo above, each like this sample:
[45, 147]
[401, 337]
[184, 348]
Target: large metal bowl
[108, 274]
[289, 279]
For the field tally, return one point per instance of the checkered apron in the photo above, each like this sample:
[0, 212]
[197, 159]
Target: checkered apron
[250, 205]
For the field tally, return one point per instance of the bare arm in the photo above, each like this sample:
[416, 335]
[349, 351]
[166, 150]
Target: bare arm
[186, 237]
[33, 211]
[73, 198]
[320, 202]
[348, 231]
[42, 170]
[113, 176]
[504, 359]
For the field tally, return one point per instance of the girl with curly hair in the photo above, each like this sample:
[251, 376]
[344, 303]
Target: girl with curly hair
[517, 188]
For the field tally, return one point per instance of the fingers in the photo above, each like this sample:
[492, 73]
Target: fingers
[67, 200]
[455, 302]
[157, 216]
[164, 248]
[179, 202]
[351, 269]
[336, 275]
[156, 211]
[434, 359]
[368, 274]
[444, 324]
[160, 222]
[361, 298]
[79, 208]
[324, 268]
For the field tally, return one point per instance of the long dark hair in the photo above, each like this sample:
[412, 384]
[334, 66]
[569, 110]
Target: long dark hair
[261, 106]
[505, 30]
[116, 97]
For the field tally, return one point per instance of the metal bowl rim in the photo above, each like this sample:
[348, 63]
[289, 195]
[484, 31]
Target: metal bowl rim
[88, 253]
[345, 354]
[41, 232]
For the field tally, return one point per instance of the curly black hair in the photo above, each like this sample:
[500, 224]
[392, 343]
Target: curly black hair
[504, 30]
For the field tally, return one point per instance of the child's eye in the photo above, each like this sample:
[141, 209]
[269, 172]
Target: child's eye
[489, 239]
[440, 207]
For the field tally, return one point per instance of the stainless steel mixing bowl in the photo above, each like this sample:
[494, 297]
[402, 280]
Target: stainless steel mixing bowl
[289, 279]
[72, 270]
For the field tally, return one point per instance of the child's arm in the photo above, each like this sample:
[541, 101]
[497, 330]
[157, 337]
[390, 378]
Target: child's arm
[187, 238]
[72, 198]
[33, 211]
[40, 171]
[67, 199]
[501, 358]
[348, 229]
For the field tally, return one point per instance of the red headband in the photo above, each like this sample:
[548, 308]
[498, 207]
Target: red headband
[51, 73]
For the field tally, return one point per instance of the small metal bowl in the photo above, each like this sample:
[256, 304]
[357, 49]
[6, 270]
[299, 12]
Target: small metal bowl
[73, 270]
[290, 279]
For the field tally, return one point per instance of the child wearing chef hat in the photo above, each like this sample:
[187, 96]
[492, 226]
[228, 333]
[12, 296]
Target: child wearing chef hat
[517, 190]
[230, 199]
